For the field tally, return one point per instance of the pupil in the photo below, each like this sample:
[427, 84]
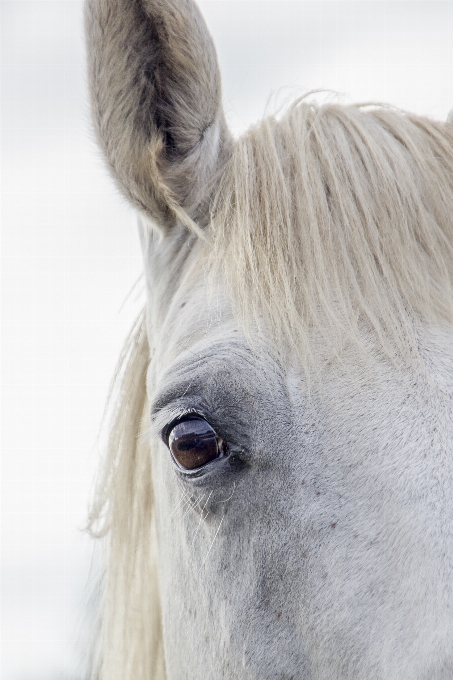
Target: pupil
[193, 443]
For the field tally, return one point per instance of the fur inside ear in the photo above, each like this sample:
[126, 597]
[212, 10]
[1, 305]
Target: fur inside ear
[156, 104]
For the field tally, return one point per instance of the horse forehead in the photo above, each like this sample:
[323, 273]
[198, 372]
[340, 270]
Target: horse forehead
[357, 397]
[199, 310]
[356, 400]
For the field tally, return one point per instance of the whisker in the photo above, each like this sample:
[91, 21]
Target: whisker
[215, 536]
[201, 519]
[232, 494]
[191, 505]
[184, 494]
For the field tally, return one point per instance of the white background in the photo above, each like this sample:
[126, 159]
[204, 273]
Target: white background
[70, 255]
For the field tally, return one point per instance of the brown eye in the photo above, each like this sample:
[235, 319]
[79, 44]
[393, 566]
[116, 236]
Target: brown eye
[193, 443]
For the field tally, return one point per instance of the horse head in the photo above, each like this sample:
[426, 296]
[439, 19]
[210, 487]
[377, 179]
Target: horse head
[277, 493]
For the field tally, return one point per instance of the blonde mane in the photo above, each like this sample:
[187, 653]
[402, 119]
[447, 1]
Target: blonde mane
[332, 217]
[338, 218]
[129, 639]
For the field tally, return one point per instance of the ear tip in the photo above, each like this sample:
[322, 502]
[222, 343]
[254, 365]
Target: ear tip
[450, 117]
[155, 88]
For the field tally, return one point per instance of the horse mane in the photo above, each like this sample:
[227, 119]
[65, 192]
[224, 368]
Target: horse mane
[334, 218]
[340, 219]
[128, 639]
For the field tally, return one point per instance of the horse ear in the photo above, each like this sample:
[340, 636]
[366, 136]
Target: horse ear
[156, 104]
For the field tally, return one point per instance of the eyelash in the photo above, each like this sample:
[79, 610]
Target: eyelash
[182, 415]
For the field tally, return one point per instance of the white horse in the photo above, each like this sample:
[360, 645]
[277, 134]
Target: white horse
[277, 496]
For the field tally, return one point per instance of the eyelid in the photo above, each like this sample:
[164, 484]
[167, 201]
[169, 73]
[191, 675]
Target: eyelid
[163, 412]
[165, 431]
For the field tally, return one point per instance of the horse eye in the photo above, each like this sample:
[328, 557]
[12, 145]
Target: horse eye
[193, 443]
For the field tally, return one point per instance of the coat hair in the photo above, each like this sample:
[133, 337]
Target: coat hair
[326, 222]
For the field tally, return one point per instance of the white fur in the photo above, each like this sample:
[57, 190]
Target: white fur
[321, 547]
[333, 555]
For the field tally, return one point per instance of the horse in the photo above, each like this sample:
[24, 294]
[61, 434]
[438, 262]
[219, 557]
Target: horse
[276, 496]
